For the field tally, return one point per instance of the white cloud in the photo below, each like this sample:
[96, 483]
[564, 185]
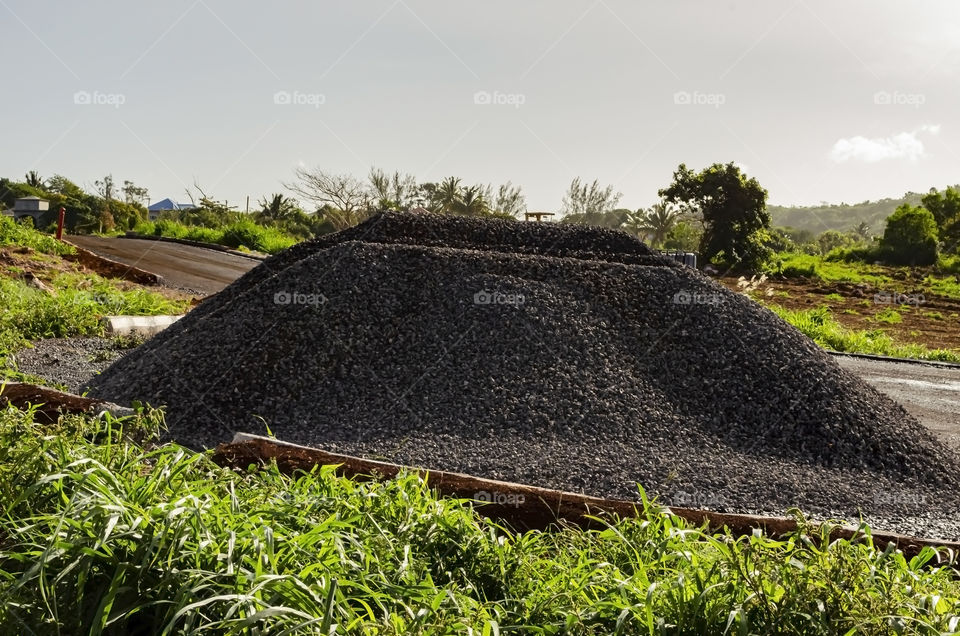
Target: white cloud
[905, 145]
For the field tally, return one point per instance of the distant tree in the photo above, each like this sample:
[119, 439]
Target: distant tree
[733, 209]
[779, 240]
[61, 185]
[945, 208]
[590, 201]
[684, 235]
[472, 202]
[127, 215]
[277, 208]
[343, 199]
[862, 230]
[427, 196]
[105, 187]
[910, 237]
[105, 221]
[509, 200]
[392, 192]
[832, 239]
[654, 223]
[34, 180]
[449, 194]
[133, 193]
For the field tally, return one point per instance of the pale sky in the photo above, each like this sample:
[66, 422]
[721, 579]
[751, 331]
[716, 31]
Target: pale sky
[819, 100]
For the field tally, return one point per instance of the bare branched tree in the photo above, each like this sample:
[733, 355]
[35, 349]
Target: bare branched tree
[345, 198]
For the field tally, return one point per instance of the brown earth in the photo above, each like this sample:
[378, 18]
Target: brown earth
[927, 319]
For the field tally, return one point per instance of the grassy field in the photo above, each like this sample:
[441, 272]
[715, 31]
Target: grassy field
[864, 308]
[820, 326]
[103, 532]
[941, 280]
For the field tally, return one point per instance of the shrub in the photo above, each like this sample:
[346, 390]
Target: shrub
[858, 254]
[12, 233]
[910, 237]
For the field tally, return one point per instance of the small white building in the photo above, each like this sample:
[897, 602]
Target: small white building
[29, 206]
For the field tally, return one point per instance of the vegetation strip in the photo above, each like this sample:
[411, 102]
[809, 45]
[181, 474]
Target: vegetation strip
[527, 507]
[210, 246]
[104, 532]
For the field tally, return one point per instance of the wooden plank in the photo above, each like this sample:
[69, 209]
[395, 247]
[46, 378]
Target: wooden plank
[526, 507]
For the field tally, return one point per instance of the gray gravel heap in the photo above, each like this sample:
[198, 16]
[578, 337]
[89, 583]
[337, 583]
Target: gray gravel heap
[560, 356]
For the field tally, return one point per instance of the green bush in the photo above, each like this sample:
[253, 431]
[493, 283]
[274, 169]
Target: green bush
[858, 254]
[910, 237]
[256, 237]
[244, 233]
[19, 235]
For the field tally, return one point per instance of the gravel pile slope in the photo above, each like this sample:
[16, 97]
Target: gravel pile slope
[591, 243]
[562, 357]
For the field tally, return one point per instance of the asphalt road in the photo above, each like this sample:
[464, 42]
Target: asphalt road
[196, 269]
[930, 393]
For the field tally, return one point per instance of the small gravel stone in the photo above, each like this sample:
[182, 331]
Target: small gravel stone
[70, 362]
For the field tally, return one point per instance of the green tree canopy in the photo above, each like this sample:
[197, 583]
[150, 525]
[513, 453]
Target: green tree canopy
[945, 208]
[910, 237]
[733, 209]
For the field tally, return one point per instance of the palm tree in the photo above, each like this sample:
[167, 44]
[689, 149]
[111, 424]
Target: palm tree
[473, 203]
[655, 222]
[33, 180]
[277, 208]
[448, 194]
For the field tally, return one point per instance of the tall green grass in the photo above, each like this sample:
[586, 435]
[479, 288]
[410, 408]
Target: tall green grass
[242, 234]
[100, 533]
[15, 234]
[820, 325]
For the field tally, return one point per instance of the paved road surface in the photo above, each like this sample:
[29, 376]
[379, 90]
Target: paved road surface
[929, 393]
[197, 269]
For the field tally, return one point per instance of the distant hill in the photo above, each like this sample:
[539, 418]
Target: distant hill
[819, 218]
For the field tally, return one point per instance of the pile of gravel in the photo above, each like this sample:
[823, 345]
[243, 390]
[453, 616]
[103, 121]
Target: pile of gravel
[560, 356]
[70, 362]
